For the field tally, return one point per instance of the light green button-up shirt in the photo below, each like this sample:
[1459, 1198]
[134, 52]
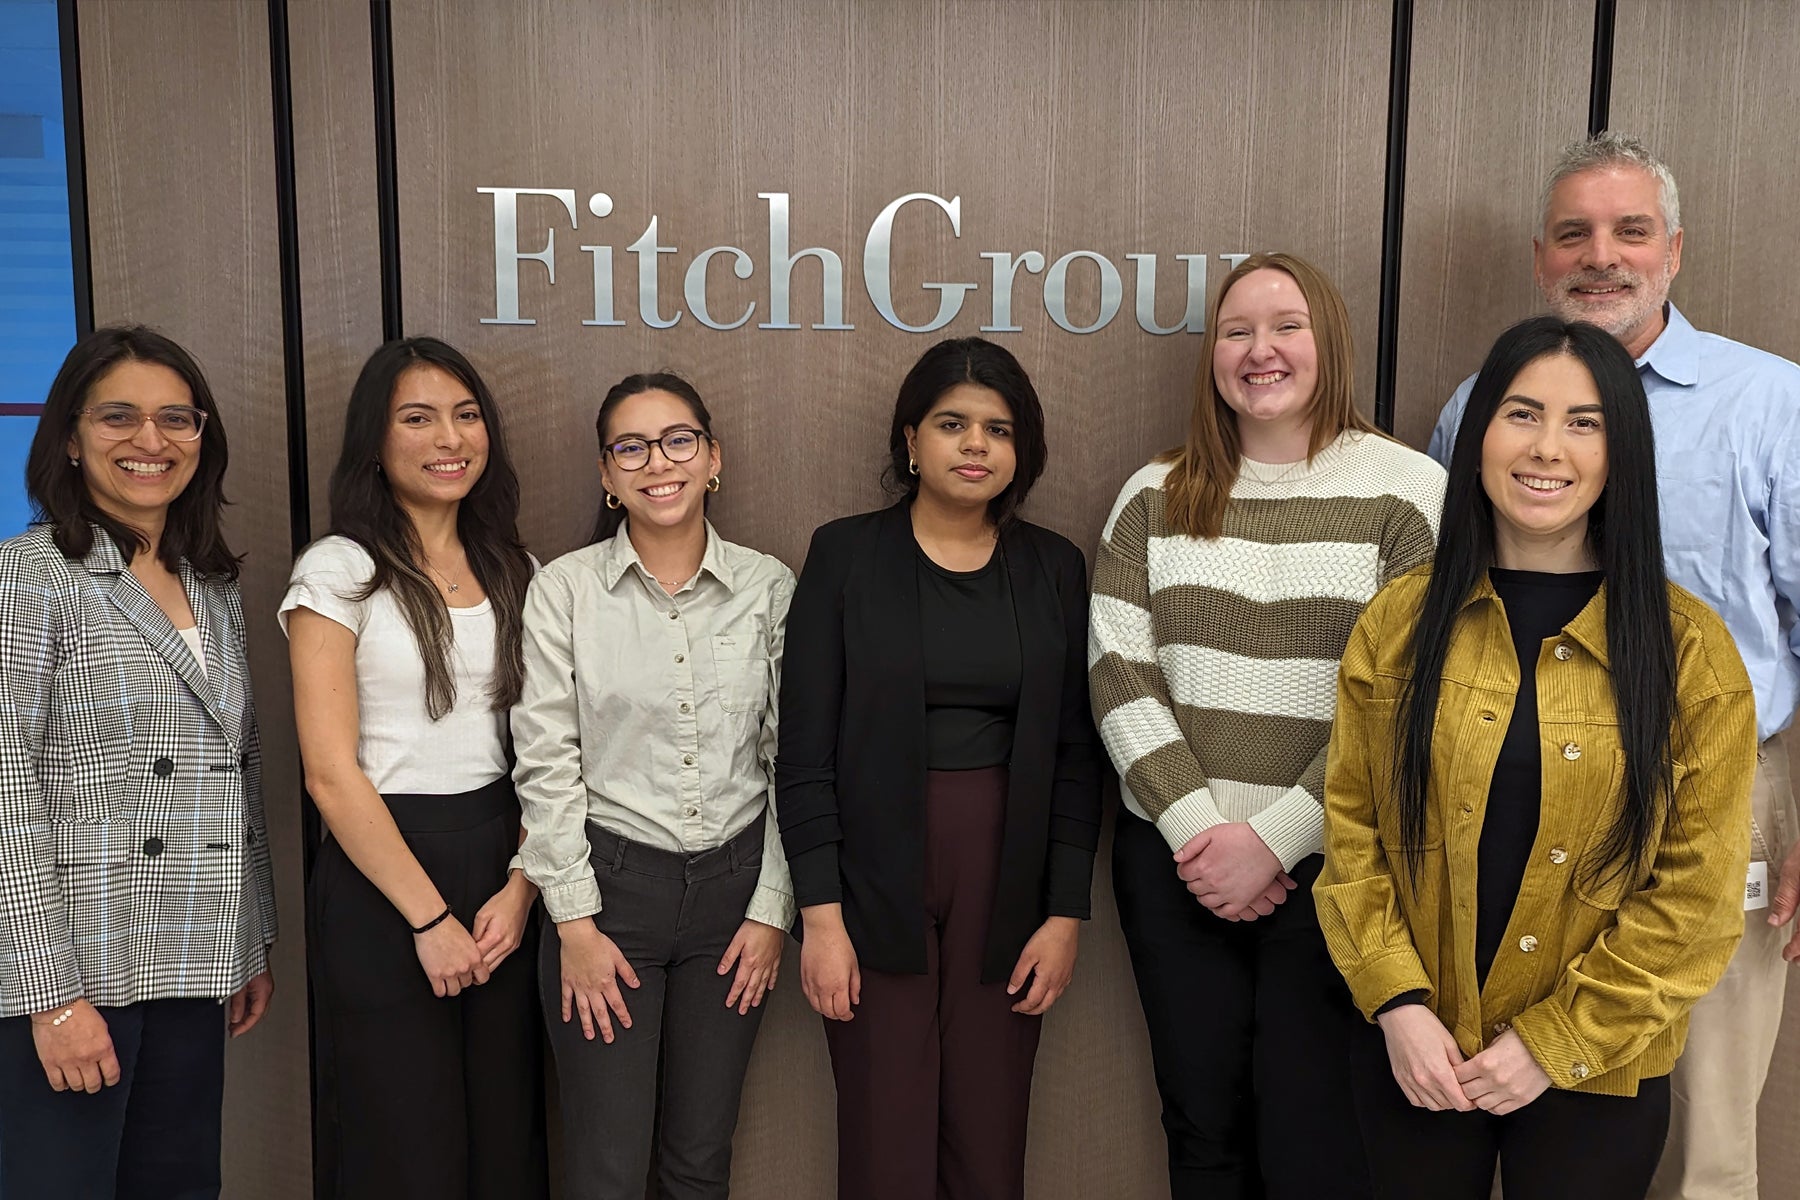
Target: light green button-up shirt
[650, 715]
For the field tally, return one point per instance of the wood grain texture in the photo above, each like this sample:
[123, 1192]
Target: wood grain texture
[334, 186]
[181, 206]
[1497, 90]
[1711, 88]
[1120, 128]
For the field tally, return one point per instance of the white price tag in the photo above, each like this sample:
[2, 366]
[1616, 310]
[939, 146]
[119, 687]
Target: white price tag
[1756, 887]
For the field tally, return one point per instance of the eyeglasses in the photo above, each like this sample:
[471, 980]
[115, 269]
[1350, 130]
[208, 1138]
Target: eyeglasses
[678, 446]
[116, 422]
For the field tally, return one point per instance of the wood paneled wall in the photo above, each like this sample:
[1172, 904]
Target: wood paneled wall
[1124, 127]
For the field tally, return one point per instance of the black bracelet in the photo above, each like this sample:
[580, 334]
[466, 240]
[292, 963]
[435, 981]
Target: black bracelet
[428, 926]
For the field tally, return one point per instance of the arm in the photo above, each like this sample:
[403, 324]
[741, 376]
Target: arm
[1783, 525]
[1357, 892]
[812, 698]
[773, 903]
[1675, 934]
[1131, 697]
[38, 971]
[322, 653]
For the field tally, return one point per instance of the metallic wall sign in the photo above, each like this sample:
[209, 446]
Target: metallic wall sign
[780, 259]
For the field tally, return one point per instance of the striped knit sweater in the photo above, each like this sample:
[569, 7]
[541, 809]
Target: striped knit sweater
[1213, 662]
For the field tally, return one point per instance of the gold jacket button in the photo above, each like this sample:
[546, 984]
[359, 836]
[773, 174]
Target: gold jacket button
[1500, 1027]
[1564, 652]
[1579, 1070]
[1571, 751]
[1558, 855]
[1528, 943]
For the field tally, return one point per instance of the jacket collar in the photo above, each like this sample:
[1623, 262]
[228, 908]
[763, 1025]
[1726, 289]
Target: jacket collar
[1675, 354]
[220, 688]
[620, 556]
[1588, 628]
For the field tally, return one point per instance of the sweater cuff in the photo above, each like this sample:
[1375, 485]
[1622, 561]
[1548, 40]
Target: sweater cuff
[1193, 814]
[1293, 827]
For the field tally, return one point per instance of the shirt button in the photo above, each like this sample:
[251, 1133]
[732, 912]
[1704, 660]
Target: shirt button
[1558, 855]
[690, 811]
[686, 707]
[153, 847]
[687, 760]
[1571, 751]
[675, 615]
[1528, 943]
[1579, 1070]
[1564, 652]
[163, 766]
[681, 658]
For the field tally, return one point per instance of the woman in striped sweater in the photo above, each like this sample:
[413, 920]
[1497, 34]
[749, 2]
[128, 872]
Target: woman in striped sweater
[1229, 576]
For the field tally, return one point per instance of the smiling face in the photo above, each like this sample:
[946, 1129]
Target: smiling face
[134, 480]
[436, 445]
[1265, 362]
[1606, 255]
[662, 493]
[1543, 465]
[964, 447]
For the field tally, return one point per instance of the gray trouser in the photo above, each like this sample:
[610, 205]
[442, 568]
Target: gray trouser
[673, 915]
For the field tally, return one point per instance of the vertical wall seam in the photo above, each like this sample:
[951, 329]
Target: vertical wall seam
[1600, 80]
[68, 29]
[287, 232]
[1393, 212]
[387, 188]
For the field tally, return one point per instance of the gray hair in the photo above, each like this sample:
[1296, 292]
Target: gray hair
[1609, 149]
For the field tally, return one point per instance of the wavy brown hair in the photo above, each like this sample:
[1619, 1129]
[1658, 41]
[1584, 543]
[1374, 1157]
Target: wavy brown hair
[1206, 465]
[364, 510]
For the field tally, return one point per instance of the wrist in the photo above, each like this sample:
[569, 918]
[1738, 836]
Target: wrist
[432, 923]
[59, 1015]
[823, 917]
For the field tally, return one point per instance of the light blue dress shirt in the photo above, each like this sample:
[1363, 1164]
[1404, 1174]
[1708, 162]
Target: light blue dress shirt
[1727, 421]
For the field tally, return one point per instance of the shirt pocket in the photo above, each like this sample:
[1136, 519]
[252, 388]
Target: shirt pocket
[741, 665]
[1695, 498]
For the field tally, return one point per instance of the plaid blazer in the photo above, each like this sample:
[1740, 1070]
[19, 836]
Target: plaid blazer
[134, 862]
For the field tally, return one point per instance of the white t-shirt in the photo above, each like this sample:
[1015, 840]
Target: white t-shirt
[191, 635]
[399, 747]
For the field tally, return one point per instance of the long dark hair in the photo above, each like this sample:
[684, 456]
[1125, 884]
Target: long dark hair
[609, 519]
[364, 510]
[970, 360]
[1625, 538]
[59, 493]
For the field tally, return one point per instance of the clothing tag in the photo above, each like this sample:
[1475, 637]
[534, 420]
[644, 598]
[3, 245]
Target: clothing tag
[1756, 887]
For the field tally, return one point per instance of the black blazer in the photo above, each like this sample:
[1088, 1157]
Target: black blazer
[850, 771]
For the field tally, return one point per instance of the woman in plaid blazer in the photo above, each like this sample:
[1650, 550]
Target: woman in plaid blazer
[136, 895]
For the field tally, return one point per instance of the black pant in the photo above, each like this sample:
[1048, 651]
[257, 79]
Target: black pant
[421, 1096]
[154, 1135]
[1250, 1025]
[1561, 1146]
[673, 916]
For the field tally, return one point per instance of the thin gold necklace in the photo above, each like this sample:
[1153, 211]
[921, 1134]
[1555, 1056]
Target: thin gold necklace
[454, 587]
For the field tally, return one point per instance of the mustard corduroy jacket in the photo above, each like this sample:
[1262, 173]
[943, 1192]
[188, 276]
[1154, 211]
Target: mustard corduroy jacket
[1598, 969]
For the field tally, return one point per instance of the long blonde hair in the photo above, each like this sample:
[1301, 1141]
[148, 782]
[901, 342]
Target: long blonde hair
[1206, 465]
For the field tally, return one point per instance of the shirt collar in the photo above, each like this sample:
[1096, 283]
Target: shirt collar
[621, 556]
[1588, 627]
[1675, 354]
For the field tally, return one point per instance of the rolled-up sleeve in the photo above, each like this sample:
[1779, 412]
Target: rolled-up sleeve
[773, 903]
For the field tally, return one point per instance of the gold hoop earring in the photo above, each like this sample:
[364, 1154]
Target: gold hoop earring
[613, 501]
[912, 465]
[713, 485]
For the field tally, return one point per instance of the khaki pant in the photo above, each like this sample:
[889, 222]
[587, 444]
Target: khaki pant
[1711, 1154]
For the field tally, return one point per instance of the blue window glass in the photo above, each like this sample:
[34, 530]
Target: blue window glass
[37, 279]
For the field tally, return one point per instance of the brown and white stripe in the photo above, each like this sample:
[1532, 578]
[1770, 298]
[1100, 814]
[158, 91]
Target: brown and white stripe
[1213, 661]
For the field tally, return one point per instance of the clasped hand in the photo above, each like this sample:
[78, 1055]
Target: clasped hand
[1431, 1071]
[1231, 870]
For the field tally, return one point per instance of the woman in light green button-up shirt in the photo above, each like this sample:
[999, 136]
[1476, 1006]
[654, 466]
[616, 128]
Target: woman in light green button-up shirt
[646, 742]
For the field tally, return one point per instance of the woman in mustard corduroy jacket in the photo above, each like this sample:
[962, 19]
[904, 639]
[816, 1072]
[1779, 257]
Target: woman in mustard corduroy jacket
[1536, 802]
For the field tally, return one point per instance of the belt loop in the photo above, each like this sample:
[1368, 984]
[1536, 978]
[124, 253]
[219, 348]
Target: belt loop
[618, 852]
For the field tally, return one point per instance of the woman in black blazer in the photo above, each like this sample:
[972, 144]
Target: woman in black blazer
[938, 787]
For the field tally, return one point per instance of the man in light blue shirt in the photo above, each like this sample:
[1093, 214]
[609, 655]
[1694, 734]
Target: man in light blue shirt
[1727, 421]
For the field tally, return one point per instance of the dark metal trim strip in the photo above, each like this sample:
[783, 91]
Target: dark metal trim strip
[1393, 212]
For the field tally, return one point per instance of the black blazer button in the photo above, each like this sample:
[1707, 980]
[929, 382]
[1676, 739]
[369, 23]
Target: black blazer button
[163, 766]
[243, 762]
[153, 846]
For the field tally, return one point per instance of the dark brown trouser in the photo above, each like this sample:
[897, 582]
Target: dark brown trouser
[934, 1072]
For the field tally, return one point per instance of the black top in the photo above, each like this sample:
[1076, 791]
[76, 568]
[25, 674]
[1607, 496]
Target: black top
[1538, 605]
[971, 644]
[850, 767]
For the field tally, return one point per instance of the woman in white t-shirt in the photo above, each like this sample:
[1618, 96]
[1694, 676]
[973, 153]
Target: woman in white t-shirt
[404, 635]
